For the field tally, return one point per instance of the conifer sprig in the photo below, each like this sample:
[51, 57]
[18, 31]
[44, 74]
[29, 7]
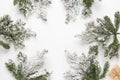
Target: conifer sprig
[13, 32]
[73, 8]
[4, 45]
[25, 70]
[87, 7]
[86, 67]
[105, 33]
[27, 7]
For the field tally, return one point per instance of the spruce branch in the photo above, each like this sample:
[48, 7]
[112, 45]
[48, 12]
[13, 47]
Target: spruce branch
[4, 45]
[72, 8]
[87, 7]
[13, 32]
[103, 33]
[27, 7]
[25, 70]
[85, 67]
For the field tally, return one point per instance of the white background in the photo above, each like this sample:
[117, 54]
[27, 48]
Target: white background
[55, 35]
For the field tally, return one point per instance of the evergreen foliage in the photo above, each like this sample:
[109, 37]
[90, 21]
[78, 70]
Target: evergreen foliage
[27, 7]
[86, 67]
[105, 33]
[73, 7]
[25, 70]
[13, 32]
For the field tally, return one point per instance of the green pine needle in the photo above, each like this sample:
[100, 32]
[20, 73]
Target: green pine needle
[24, 70]
[13, 32]
[4, 45]
[87, 5]
[105, 33]
[73, 8]
[86, 67]
[27, 7]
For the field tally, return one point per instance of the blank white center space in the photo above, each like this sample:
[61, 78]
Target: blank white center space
[55, 35]
[56, 38]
